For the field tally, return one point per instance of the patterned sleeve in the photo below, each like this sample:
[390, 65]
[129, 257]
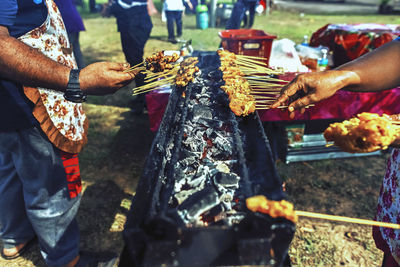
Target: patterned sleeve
[8, 12]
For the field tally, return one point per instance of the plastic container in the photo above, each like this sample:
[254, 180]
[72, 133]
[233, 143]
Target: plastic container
[323, 61]
[202, 17]
[249, 42]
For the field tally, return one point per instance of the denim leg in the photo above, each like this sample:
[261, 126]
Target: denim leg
[170, 24]
[178, 17]
[48, 206]
[15, 227]
[236, 17]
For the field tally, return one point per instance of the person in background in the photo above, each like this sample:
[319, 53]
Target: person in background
[151, 9]
[173, 12]
[42, 129]
[135, 25]
[239, 14]
[92, 6]
[375, 71]
[74, 25]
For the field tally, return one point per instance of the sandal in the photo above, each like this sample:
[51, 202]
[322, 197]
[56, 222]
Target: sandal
[29, 244]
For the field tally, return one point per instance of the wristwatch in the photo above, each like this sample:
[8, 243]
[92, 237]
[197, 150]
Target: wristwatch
[73, 92]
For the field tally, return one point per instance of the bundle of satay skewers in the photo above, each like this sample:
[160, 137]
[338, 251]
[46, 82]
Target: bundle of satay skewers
[162, 70]
[249, 83]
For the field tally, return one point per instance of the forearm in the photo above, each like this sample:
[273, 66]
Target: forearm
[377, 70]
[21, 63]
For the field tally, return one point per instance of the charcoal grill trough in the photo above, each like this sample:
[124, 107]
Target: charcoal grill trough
[189, 208]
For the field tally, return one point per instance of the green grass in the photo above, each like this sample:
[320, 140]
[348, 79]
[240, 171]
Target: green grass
[101, 40]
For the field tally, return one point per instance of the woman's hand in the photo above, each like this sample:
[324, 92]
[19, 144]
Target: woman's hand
[310, 88]
[103, 78]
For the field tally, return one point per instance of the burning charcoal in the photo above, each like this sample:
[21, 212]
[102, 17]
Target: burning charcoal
[210, 123]
[201, 111]
[227, 200]
[227, 180]
[183, 195]
[198, 203]
[203, 100]
[189, 157]
[214, 75]
[213, 215]
[168, 150]
[223, 143]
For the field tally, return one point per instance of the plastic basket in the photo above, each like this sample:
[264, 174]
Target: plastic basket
[249, 42]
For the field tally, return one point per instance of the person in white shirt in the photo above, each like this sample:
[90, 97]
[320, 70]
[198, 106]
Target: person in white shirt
[173, 11]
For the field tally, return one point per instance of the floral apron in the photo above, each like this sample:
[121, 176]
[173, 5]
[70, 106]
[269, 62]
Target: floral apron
[388, 209]
[64, 122]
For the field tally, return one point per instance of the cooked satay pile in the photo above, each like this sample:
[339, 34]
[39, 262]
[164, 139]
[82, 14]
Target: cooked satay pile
[367, 132]
[159, 62]
[273, 208]
[242, 103]
[186, 71]
[181, 74]
[253, 78]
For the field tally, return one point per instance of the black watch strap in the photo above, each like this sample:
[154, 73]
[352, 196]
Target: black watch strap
[73, 92]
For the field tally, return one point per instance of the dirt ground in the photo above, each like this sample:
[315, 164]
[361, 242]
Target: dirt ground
[112, 162]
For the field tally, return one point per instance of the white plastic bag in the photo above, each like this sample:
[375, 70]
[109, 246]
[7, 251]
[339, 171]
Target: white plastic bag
[285, 56]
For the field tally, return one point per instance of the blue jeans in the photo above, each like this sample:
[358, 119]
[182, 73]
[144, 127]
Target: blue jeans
[174, 17]
[34, 199]
[239, 13]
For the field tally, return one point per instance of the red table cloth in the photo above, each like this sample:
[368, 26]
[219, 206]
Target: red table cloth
[342, 105]
[350, 41]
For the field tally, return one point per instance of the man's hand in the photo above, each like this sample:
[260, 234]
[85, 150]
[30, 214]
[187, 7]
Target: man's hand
[313, 87]
[103, 78]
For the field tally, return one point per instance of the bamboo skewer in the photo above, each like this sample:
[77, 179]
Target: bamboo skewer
[346, 219]
[262, 79]
[133, 67]
[259, 106]
[250, 60]
[265, 90]
[152, 86]
[264, 97]
[253, 57]
[166, 75]
[268, 107]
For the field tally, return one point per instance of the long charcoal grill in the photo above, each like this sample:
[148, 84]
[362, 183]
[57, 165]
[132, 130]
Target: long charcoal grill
[189, 208]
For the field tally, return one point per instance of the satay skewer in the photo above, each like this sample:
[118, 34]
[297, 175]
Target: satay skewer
[164, 75]
[269, 107]
[263, 79]
[345, 219]
[264, 97]
[153, 84]
[253, 57]
[250, 60]
[263, 87]
[133, 67]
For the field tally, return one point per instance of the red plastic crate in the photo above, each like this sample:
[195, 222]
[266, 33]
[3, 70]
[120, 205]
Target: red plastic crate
[249, 42]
